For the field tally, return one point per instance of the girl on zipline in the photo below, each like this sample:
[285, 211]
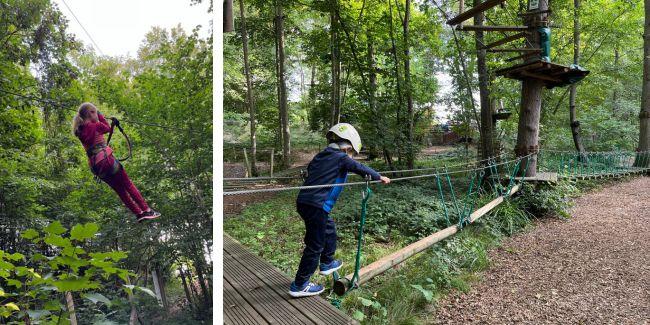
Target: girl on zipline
[330, 166]
[89, 125]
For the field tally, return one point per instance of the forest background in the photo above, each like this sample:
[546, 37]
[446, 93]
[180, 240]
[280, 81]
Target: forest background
[66, 239]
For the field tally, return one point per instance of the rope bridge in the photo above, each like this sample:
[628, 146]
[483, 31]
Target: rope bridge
[594, 164]
[459, 189]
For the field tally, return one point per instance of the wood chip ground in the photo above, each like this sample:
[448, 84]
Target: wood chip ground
[591, 269]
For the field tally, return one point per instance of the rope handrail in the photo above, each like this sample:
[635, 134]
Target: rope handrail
[252, 179]
[289, 188]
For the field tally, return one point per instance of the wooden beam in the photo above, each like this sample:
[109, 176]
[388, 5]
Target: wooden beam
[385, 263]
[523, 56]
[505, 40]
[515, 50]
[519, 67]
[473, 28]
[539, 76]
[473, 11]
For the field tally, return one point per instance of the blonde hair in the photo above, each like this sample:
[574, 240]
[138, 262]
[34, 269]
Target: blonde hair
[81, 116]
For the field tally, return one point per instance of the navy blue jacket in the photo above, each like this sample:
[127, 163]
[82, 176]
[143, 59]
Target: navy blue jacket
[330, 166]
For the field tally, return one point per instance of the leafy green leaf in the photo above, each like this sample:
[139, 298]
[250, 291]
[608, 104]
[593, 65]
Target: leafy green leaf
[55, 228]
[358, 315]
[147, 291]
[82, 232]
[2, 293]
[97, 297]
[58, 241]
[53, 305]
[36, 314]
[77, 284]
[365, 302]
[14, 283]
[16, 257]
[12, 306]
[29, 234]
[428, 294]
[4, 265]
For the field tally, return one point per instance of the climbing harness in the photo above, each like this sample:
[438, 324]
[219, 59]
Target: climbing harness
[101, 151]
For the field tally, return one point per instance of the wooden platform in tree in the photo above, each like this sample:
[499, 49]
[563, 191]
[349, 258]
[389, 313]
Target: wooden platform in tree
[552, 74]
[255, 292]
[481, 7]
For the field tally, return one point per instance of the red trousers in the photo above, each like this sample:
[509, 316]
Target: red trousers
[123, 186]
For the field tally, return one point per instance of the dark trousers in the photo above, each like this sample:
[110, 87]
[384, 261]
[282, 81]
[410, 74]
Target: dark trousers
[320, 241]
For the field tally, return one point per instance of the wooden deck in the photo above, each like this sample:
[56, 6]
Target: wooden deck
[255, 292]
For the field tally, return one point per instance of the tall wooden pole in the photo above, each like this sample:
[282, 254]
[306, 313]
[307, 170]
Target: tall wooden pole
[531, 92]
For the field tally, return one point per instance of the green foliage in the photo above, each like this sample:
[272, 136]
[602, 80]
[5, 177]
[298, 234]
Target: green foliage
[550, 200]
[67, 267]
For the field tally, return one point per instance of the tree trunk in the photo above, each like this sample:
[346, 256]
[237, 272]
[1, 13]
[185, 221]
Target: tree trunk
[615, 103]
[335, 93]
[398, 84]
[207, 297]
[282, 87]
[410, 148]
[249, 91]
[531, 102]
[575, 124]
[188, 294]
[228, 17]
[643, 158]
[487, 125]
[70, 305]
[159, 287]
[372, 76]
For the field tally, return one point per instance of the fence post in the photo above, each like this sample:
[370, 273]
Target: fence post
[248, 167]
[272, 154]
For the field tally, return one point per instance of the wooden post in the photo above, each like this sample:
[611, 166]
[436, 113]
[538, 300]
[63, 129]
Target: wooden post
[531, 92]
[248, 167]
[70, 305]
[380, 266]
[272, 154]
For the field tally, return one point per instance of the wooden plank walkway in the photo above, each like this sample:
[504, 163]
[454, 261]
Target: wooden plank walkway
[255, 292]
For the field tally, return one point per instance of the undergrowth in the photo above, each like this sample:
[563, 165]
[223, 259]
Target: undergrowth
[398, 215]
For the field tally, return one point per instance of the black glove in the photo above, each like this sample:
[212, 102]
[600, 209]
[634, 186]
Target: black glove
[115, 121]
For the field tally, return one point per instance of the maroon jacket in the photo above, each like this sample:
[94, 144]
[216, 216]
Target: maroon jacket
[92, 133]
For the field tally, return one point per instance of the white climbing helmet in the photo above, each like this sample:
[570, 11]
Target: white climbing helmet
[346, 131]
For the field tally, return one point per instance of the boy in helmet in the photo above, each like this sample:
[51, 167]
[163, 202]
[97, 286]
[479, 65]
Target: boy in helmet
[330, 166]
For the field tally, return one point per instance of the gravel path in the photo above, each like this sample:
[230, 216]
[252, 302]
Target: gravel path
[593, 269]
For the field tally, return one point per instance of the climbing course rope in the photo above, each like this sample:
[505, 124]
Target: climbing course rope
[594, 164]
[353, 284]
[446, 173]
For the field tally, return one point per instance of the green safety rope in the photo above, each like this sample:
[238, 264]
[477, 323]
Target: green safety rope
[365, 196]
[442, 200]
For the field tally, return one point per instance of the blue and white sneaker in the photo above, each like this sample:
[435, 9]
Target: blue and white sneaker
[309, 289]
[327, 269]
